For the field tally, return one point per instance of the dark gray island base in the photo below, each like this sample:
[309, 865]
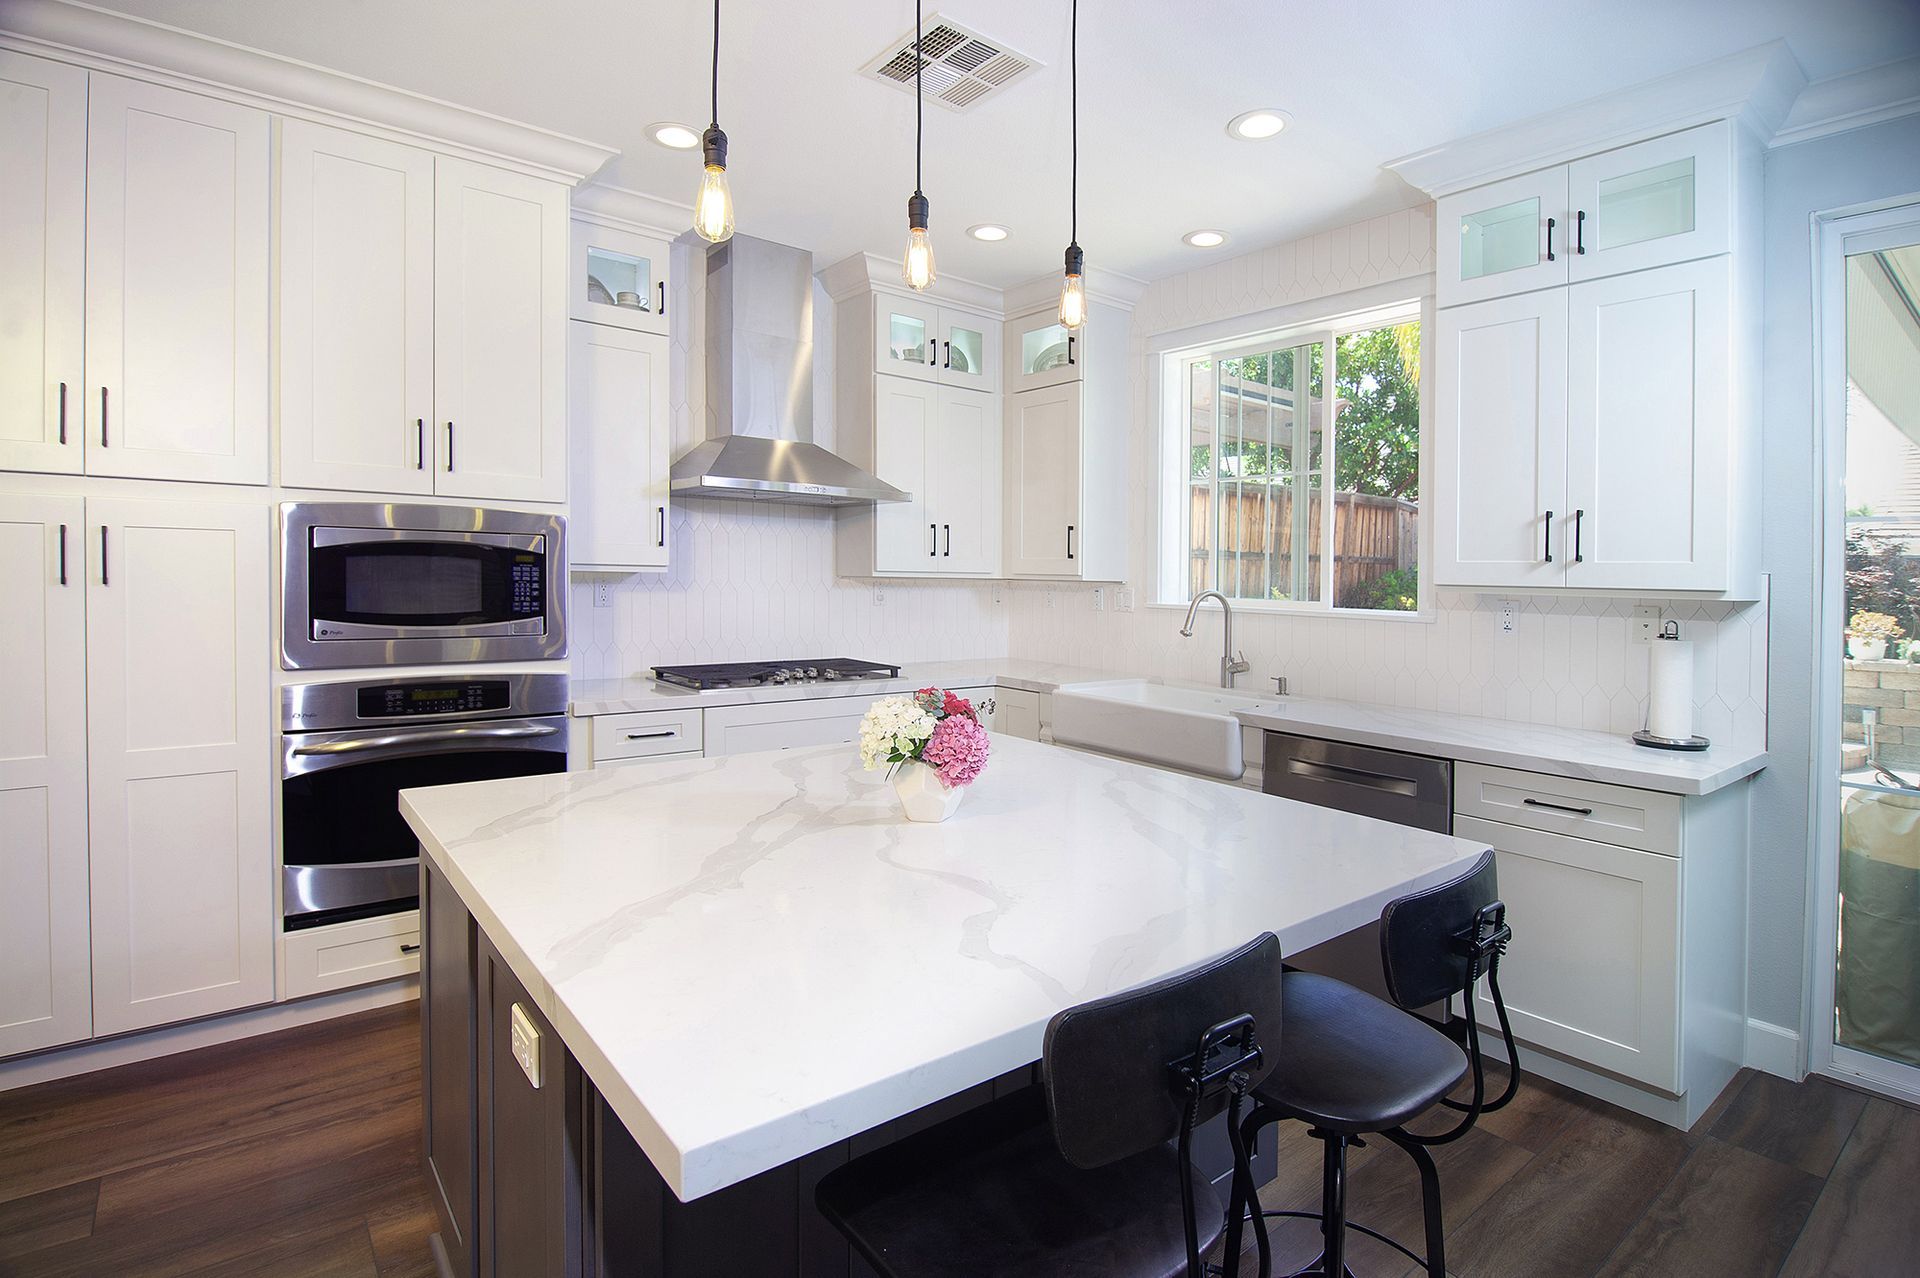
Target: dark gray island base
[545, 1182]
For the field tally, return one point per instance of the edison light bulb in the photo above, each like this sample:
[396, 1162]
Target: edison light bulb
[916, 267]
[713, 206]
[1073, 291]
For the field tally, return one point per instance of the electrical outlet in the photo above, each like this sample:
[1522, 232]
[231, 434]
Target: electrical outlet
[1099, 598]
[603, 592]
[1123, 599]
[1509, 616]
[997, 596]
[879, 595]
[1049, 602]
[1646, 623]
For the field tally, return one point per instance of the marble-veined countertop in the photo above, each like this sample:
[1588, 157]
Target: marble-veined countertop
[755, 956]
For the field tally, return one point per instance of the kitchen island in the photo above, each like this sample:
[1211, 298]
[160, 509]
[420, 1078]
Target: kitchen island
[659, 1003]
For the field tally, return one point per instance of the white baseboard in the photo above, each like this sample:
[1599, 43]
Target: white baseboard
[1774, 1049]
[84, 1058]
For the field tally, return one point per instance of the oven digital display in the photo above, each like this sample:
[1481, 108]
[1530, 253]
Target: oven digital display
[398, 700]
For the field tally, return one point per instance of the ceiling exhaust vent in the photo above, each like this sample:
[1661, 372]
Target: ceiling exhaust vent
[963, 69]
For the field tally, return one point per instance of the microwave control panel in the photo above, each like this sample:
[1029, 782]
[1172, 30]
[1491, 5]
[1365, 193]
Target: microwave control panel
[433, 697]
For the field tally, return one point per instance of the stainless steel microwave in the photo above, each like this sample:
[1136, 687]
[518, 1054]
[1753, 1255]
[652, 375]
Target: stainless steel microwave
[377, 583]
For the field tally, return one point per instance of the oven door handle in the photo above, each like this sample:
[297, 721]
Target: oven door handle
[360, 745]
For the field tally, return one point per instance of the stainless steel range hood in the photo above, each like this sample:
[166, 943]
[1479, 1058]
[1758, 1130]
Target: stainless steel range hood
[760, 388]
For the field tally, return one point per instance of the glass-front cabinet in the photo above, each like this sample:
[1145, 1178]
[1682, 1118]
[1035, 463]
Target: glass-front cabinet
[1503, 238]
[1652, 204]
[619, 277]
[1042, 352]
[914, 338]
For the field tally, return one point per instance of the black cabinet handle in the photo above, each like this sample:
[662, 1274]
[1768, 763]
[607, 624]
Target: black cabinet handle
[63, 412]
[63, 554]
[420, 443]
[947, 361]
[663, 298]
[103, 417]
[949, 550]
[650, 736]
[412, 948]
[103, 554]
[1557, 807]
[1069, 541]
[449, 448]
[1550, 256]
[1578, 558]
[1070, 359]
[1549, 545]
[1580, 231]
[663, 525]
[933, 540]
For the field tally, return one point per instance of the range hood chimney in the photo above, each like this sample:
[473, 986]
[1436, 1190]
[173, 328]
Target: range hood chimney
[760, 388]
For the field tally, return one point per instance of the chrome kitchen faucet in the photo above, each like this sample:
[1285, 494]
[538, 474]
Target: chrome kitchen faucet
[1230, 663]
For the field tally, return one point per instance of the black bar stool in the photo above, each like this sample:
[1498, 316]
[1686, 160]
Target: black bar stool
[1080, 1175]
[1349, 1064]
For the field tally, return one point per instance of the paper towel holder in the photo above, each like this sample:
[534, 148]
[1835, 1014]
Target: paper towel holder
[1670, 631]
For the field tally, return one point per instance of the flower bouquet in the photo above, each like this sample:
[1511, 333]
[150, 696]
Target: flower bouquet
[932, 745]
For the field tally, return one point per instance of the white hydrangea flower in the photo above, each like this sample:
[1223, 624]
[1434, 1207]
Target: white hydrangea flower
[894, 729]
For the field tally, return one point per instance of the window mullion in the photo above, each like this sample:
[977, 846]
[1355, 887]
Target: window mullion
[1329, 443]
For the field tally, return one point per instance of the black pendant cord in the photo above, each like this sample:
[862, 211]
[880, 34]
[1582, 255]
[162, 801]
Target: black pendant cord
[714, 121]
[1073, 65]
[919, 97]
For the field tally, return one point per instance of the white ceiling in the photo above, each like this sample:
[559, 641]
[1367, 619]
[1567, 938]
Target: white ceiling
[822, 157]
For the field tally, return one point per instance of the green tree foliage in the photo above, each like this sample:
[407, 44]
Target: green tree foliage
[1882, 577]
[1378, 381]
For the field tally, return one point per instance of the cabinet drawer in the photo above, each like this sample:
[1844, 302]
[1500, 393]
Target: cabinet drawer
[1018, 714]
[645, 760]
[634, 736]
[347, 954]
[1616, 814]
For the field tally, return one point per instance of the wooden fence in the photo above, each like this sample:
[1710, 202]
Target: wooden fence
[1372, 537]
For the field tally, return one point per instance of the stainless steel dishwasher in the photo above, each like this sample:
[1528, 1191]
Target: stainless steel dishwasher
[1390, 785]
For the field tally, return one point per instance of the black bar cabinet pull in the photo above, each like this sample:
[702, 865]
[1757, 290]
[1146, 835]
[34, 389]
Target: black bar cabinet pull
[652, 736]
[1549, 547]
[1578, 558]
[663, 525]
[1069, 541]
[63, 416]
[420, 443]
[1069, 348]
[933, 540]
[1550, 256]
[947, 360]
[63, 554]
[1557, 807]
[949, 550]
[449, 448]
[103, 554]
[663, 298]
[410, 948]
[103, 417]
[1580, 231]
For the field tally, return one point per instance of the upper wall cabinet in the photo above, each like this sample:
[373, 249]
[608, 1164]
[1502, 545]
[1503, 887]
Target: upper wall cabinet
[619, 440]
[930, 343]
[43, 148]
[356, 311]
[500, 328]
[619, 277]
[1654, 203]
[176, 285]
[1040, 351]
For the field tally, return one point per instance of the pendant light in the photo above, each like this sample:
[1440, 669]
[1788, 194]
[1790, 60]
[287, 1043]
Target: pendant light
[1073, 289]
[713, 206]
[916, 268]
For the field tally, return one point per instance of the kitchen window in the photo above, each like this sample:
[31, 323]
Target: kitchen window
[1257, 425]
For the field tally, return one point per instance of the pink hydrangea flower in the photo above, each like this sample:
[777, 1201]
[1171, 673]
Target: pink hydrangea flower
[957, 750]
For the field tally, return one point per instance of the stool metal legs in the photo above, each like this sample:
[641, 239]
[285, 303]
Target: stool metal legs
[1429, 1202]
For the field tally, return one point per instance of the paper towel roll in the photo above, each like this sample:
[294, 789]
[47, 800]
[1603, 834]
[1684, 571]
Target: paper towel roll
[1670, 688]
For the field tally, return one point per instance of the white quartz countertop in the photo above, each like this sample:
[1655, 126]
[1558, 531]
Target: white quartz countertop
[625, 696]
[755, 956]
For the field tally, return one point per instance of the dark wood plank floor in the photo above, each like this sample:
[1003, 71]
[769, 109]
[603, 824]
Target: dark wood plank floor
[298, 1155]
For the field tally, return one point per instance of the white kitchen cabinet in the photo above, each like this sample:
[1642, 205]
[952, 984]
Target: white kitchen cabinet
[969, 350]
[618, 277]
[176, 285]
[1503, 238]
[499, 314]
[618, 434]
[1043, 482]
[935, 343]
[45, 978]
[1668, 199]
[43, 149]
[1040, 351]
[783, 725]
[1500, 440]
[356, 311]
[942, 445]
[179, 759]
[1016, 713]
[343, 955]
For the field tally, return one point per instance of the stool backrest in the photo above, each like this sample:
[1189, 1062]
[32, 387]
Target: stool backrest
[1419, 935]
[1105, 1065]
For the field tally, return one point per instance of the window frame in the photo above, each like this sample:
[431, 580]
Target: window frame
[1175, 366]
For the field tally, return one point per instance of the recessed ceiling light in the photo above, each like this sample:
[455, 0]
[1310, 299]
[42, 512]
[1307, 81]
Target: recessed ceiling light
[1254, 125]
[991, 232]
[678, 137]
[1205, 239]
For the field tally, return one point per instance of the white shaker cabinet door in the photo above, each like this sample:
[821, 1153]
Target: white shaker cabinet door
[1647, 430]
[500, 332]
[44, 975]
[964, 477]
[1043, 473]
[1665, 200]
[43, 155]
[177, 266]
[1500, 428]
[180, 777]
[905, 419]
[356, 311]
[1503, 238]
[618, 435]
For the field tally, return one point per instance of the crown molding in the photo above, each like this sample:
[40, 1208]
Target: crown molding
[103, 40]
[627, 209]
[1852, 101]
[1108, 287]
[869, 272]
[1756, 87]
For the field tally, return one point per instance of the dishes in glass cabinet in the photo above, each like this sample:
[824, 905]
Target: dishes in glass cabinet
[957, 360]
[911, 354]
[632, 301]
[1052, 357]
[598, 292]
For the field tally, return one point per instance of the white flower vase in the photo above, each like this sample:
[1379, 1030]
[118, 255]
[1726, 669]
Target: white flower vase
[923, 795]
[1870, 649]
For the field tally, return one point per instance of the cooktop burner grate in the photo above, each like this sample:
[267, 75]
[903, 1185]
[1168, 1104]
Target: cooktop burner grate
[758, 674]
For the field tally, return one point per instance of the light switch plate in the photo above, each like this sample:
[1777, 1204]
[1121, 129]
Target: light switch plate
[526, 1045]
[1099, 598]
[1646, 623]
[1123, 599]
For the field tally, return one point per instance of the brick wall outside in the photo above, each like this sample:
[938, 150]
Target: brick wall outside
[1892, 688]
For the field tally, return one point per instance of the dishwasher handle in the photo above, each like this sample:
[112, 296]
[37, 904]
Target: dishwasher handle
[1339, 775]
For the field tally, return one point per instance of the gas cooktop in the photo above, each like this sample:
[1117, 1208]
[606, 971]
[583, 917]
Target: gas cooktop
[759, 674]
